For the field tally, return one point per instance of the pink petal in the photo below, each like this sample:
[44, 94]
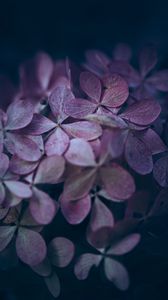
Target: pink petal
[61, 251]
[53, 285]
[57, 100]
[42, 207]
[30, 246]
[79, 108]
[143, 112]
[125, 245]
[85, 263]
[147, 60]
[18, 188]
[160, 171]
[91, 85]
[24, 147]
[50, 170]
[75, 211]
[20, 114]
[116, 92]
[116, 273]
[6, 235]
[79, 185]
[154, 142]
[159, 80]
[20, 166]
[101, 217]
[57, 143]
[84, 129]
[4, 164]
[118, 183]
[80, 153]
[39, 125]
[43, 269]
[44, 69]
[138, 155]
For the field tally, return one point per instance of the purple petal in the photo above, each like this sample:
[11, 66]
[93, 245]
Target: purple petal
[91, 85]
[111, 121]
[30, 247]
[57, 100]
[39, 125]
[122, 52]
[50, 170]
[57, 143]
[116, 273]
[78, 185]
[147, 60]
[138, 155]
[53, 285]
[160, 205]
[97, 59]
[159, 80]
[3, 213]
[6, 235]
[61, 251]
[76, 153]
[85, 263]
[21, 167]
[118, 183]
[101, 217]
[43, 269]
[79, 108]
[19, 189]
[125, 245]
[23, 146]
[138, 205]
[117, 142]
[2, 193]
[42, 207]
[116, 92]
[154, 142]
[160, 171]
[143, 112]
[20, 114]
[4, 164]
[75, 211]
[84, 129]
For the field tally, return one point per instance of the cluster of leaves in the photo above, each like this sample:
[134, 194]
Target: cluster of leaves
[94, 134]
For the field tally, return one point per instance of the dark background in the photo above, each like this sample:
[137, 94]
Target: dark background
[69, 28]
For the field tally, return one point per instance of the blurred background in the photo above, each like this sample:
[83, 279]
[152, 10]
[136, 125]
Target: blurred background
[68, 28]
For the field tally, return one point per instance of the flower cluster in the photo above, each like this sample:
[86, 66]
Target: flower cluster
[96, 136]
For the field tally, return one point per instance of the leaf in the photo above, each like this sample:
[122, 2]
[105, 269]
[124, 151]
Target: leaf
[143, 112]
[57, 143]
[85, 263]
[30, 246]
[125, 245]
[118, 183]
[79, 185]
[116, 273]
[160, 171]
[91, 85]
[61, 251]
[138, 155]
[147, 60]
[101, 218]
[20, 114]
[84, 129]
[75, 211]
[50, 170]
[116, 92]
[18, 188]
[42, 207]
[6, 235]
[80, 153]
[4, 164]
[79, 108]
[53, 285]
